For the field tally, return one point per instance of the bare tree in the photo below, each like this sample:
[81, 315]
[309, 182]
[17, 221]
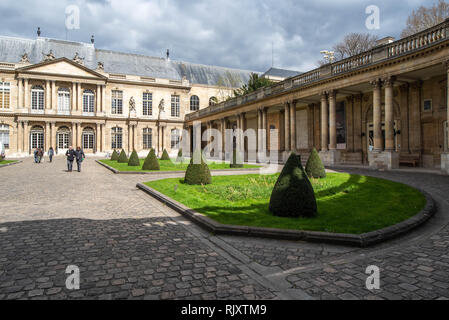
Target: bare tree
[423, 18]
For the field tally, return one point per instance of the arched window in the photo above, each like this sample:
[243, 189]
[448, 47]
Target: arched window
[88, 101]
[63, 139]
[88, 139]
[147, 138]
[63, 101]
[37, 137]
[194, 103]
[4, 135]
[37, 98]
[175, 138]
[213, 101]
[117, 138]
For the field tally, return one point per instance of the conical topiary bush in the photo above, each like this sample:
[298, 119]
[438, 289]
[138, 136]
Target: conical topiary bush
[314, 167]
[198, 172]
[134, 160]
[165, 155]
[180, 157]
[151, 162]
[293, 195]
[114, 156]
[236, 162]
[122, 157]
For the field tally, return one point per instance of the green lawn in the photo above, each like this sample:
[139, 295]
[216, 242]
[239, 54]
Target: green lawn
[2, 162]
[168, 165]
[346, 203]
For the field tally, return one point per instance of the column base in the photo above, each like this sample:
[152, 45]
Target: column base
[445, 163]
[330, 158]
[383, 160]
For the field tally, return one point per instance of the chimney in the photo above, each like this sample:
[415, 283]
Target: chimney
[38, 31]
[168, 55]
[92, 39]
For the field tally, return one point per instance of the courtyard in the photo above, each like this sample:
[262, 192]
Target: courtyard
[128, 245]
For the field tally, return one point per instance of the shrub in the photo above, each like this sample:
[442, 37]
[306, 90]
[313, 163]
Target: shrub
[236, 160]
[151, 162]
[114, 156]
[122, 158]
[134, 160]
[293, 195]
[314, 167]
[198, 174]
[165, 155]
[180, 157]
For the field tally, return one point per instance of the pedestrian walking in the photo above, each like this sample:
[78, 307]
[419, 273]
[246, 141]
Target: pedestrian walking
[80, 156]
[51, 153]
[40, 154]
[70, 154]
[36, 155]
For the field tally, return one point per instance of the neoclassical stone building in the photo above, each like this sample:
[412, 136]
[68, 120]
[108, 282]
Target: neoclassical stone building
[60, 93]
[383, 108]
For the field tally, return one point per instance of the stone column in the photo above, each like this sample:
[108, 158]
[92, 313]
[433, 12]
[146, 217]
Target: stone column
[73, 106]
[265, 129]
[103, 138]
[223, 138]
[19, 136]
[103, 98]
[293, 144]
[242, 135]
[389, 116]
[130, 131]
[135, 143]
[54, 97]
[53, 134]
[26, 138]
[26, 96]
[259, 131]
[47, 136]
[287, 133]
[47, 95]
[332, 120]
[20, 93]
[98, 138]
[79, 95]
[377, 115]
[74, 135]
[79, 135]
[324, 123]
[445, 156]
[98, 99]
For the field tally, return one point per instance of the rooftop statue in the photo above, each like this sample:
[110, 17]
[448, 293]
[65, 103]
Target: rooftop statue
[49, 56]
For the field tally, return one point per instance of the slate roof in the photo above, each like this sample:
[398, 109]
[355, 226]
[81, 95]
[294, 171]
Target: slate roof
[281, 73]
[11, 50]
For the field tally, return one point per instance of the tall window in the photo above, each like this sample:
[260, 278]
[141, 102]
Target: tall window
[117, 138]
[147, 138]
[88, 139]
[37, 98]
[88, 101]
[4, 135]
[147, 104]
[37, 137]
[4, 95]
[175, 106]
[63, 137]
[341, 123]
[63, 101]
[175, 139]
[117, 102]
[194, 103]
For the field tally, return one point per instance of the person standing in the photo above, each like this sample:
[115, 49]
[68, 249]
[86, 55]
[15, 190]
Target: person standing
[80, 156]
[51, 153]
[70, 154]
[36, 155]
[40, 154]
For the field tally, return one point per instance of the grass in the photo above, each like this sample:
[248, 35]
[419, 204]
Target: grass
[168, 165]
[2, 162]
[346, 203]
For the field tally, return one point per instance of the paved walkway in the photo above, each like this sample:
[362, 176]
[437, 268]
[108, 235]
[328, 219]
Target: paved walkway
[128, 245]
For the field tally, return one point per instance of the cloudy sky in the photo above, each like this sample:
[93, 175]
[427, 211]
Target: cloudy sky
[231, 33]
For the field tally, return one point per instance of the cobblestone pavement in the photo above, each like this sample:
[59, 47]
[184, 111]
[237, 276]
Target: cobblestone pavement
[129, 246]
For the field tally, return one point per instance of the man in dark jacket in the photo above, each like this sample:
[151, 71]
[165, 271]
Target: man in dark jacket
[71, 155]
[79, 158]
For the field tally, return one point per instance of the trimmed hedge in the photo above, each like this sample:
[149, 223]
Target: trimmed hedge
[314, 167]
[198, 174]
[165, 155]
[293, 194]
[151, 162]
[134, 160]
[122, 158]
[114, 156]
[236, 162]
[180, 157]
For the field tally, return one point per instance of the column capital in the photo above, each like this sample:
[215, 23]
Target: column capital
[323, 95]
[389, 81]
[332, 93]
[376, 83]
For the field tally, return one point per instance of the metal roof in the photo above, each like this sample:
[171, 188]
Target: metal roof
[12, 49]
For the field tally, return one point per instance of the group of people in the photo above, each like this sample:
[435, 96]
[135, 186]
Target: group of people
[71, 155]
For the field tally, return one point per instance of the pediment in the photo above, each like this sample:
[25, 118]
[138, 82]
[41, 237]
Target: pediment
[62, 67]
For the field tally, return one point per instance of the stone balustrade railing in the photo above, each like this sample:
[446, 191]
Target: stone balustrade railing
[392, 50]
